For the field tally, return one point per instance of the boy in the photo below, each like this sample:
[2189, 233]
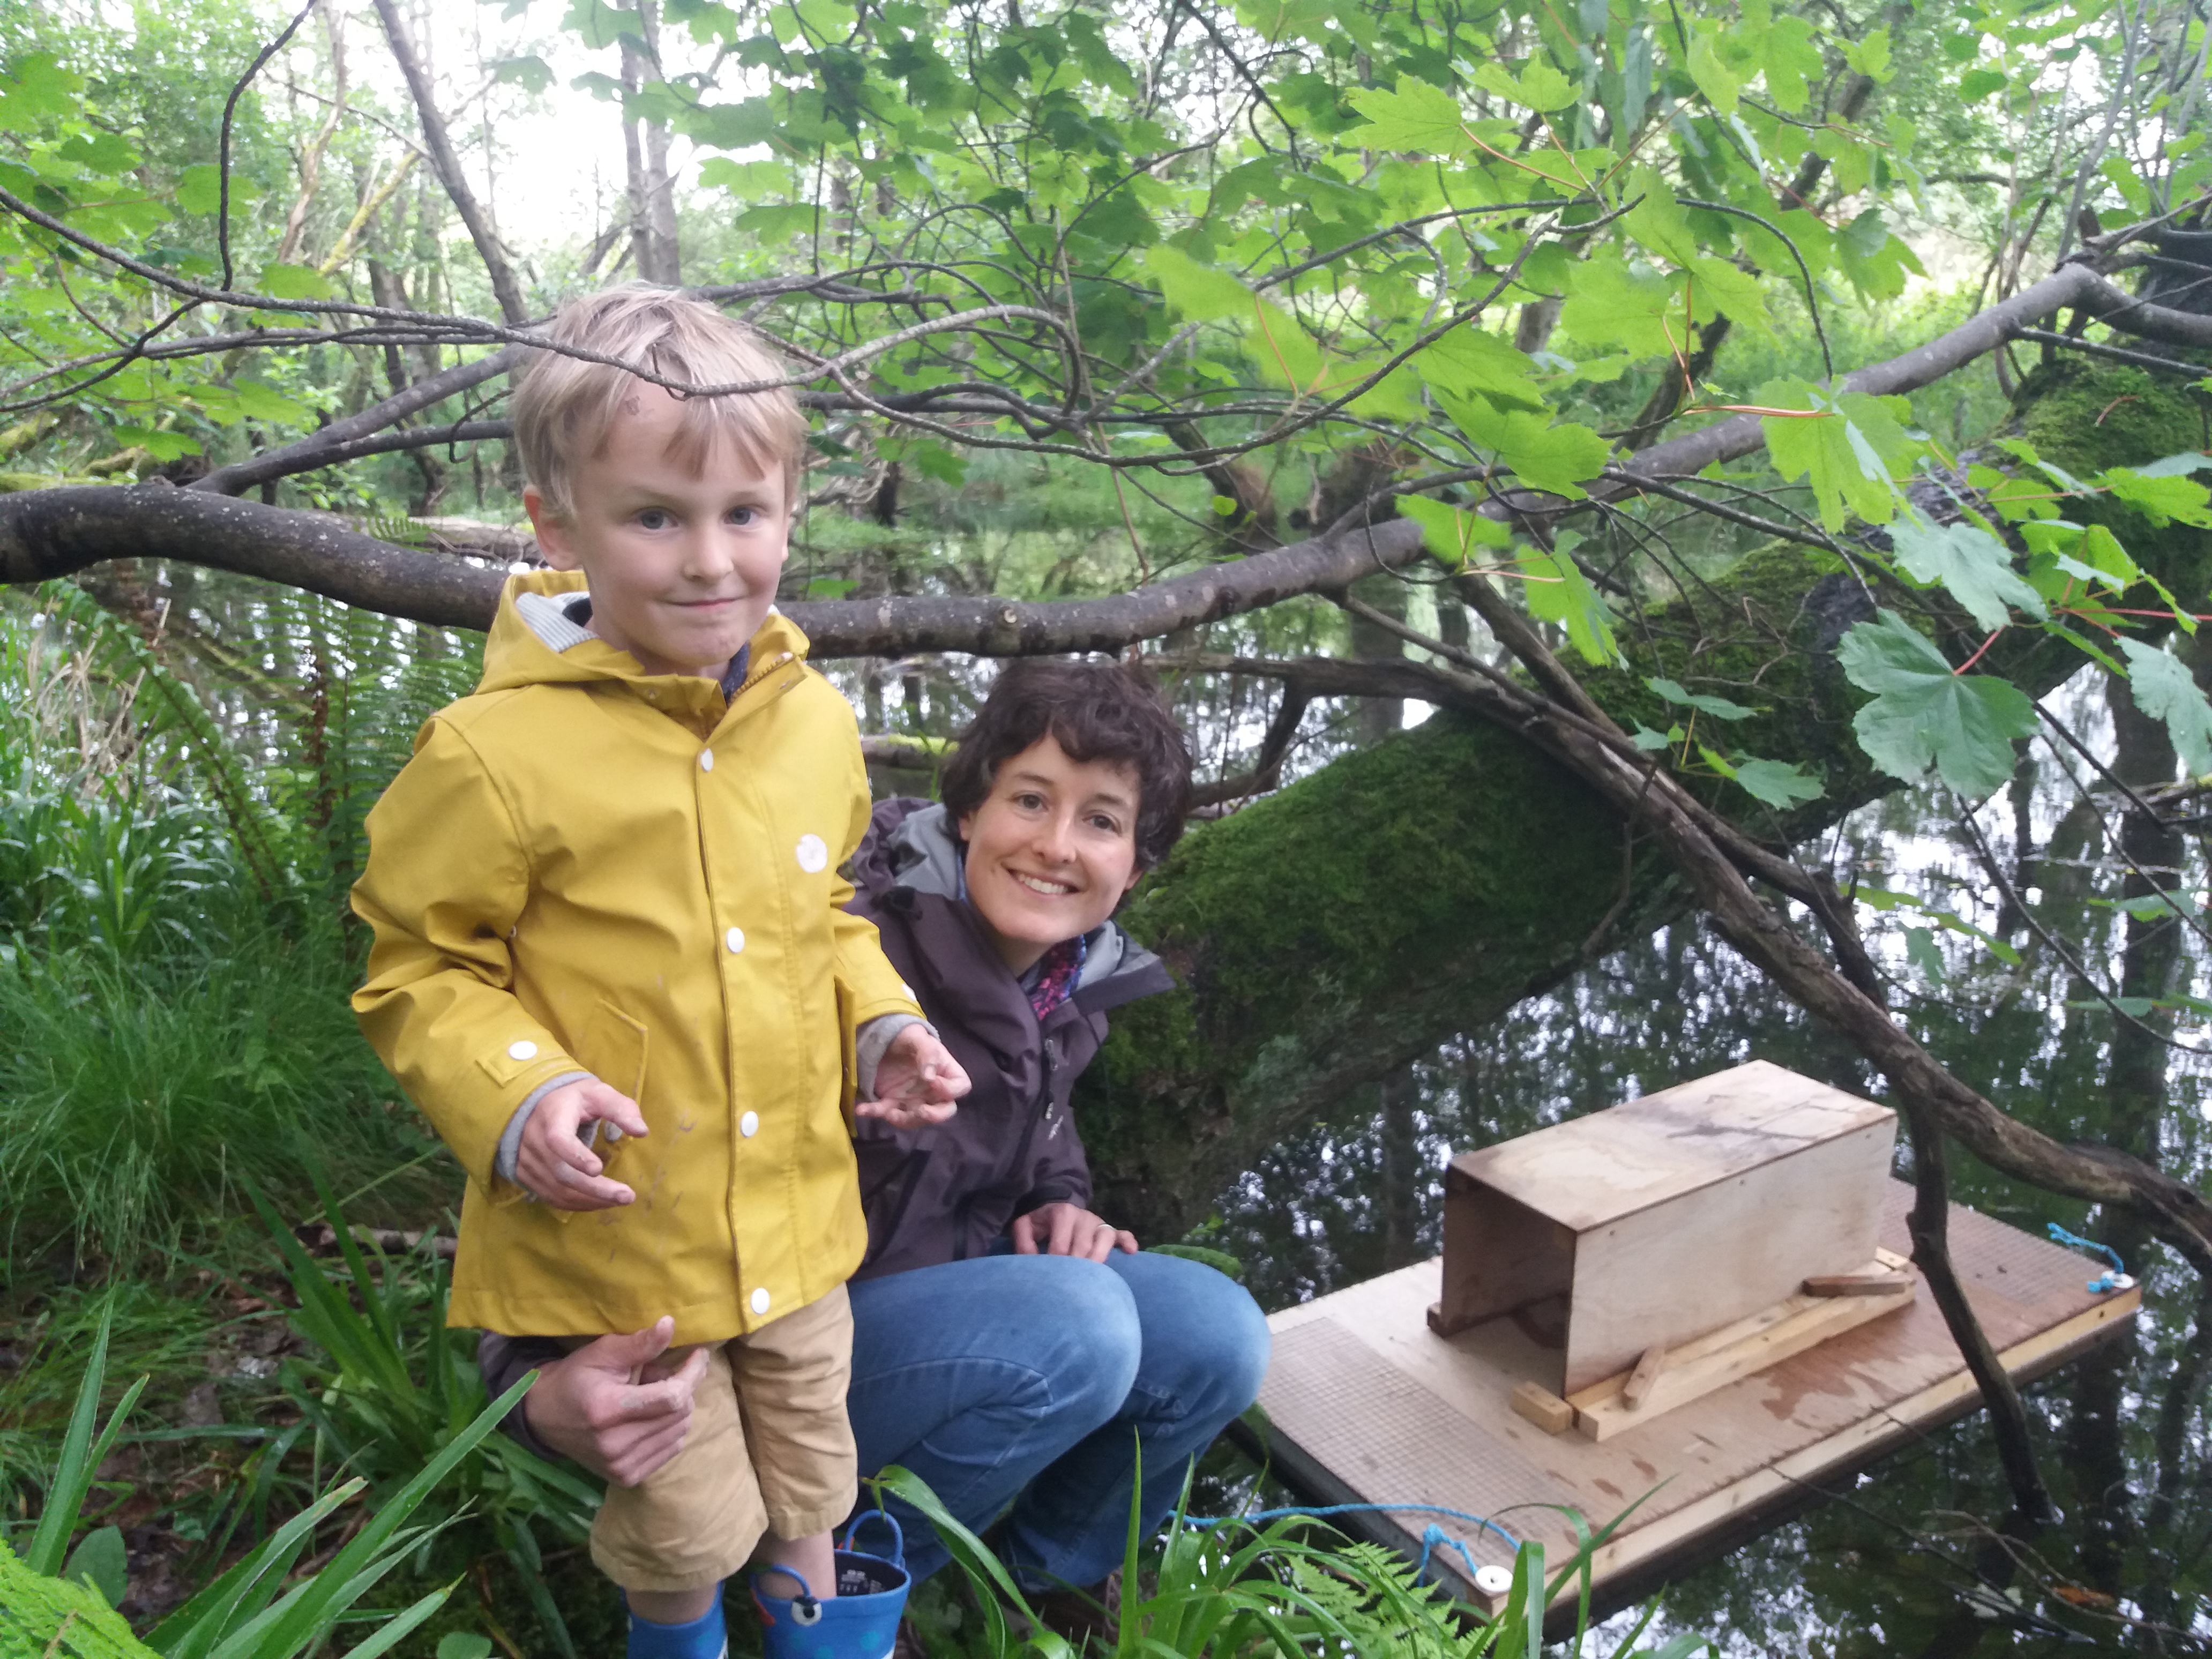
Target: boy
[605, 897]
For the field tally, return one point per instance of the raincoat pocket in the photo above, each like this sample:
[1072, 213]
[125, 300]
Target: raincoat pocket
[616, 1057]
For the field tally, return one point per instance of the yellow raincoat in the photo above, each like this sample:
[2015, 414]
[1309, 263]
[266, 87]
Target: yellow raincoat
[587, 869]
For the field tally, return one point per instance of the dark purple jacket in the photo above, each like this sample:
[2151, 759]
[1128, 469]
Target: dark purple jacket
[947, 1192]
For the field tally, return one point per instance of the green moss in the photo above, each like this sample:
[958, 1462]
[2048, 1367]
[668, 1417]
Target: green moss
[2087, 416]
[1441, 876]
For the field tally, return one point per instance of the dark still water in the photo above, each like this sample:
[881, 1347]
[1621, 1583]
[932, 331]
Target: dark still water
[1912, 1557]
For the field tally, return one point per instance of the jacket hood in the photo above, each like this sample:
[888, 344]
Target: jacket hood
[536, 640]
[913, 844]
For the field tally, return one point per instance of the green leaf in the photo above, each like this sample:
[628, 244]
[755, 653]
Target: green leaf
[1924, 714]
[827, 19]
[1848, 447]
[1542, 456]
[1658, 222]
[1646, 738]
[532, 74]
[1560, 594]
[463, 1644]
[1714, 78]
[161, 446]
[199, 187]
[1452, 533]
[780, 222]
[1718, 707]
[1874, 260]
[1792, 62]
[1972, 565]
[1469, 359]
[1416, 117]
[1780, 784]
[1199, 293]
[35, 88]
[1540, 86]
[2189, 460]
[1612, 304]
[2164, 688]
[1977, 84]
[744, 178]
[104, 153]
[1920, 949]
[1870, 56]
[100, 1561]
[292, 283]
[2161, 498]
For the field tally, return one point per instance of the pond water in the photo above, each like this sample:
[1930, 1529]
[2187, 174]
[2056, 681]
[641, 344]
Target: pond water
[1912, 1557]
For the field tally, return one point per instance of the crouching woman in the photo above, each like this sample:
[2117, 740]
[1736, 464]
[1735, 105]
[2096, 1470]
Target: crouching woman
[1011, 1347]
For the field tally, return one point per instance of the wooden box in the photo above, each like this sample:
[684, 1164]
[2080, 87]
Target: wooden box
[1654, 1223]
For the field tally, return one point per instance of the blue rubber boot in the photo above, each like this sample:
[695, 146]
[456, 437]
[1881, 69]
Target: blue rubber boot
[703, 1638]
[859, 1622]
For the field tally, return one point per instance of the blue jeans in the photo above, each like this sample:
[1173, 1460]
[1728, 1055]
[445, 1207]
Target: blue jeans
[1032, 1379]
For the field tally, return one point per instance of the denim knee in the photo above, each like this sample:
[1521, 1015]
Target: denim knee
[1091, 1341]
[1208, 1343]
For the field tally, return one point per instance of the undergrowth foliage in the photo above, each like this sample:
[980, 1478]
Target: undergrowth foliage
[180, 819]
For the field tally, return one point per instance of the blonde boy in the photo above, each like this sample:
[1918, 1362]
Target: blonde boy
[606, 904]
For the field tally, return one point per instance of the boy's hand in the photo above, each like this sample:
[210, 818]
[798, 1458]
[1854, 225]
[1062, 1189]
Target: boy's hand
[617, 1406]
[917, 1081]
[555, 1165]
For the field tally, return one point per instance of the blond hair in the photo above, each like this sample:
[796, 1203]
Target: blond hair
[564, 406]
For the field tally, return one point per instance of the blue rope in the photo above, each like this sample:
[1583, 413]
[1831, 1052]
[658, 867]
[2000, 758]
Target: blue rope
[1432, 1536]
[2107, 1282]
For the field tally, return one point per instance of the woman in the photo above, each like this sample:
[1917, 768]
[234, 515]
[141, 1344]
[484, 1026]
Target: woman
[1010, 1347]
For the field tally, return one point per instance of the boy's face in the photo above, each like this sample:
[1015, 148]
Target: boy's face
[683, 566]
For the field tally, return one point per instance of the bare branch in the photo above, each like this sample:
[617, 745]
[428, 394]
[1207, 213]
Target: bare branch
[448, 165]
[336, 441]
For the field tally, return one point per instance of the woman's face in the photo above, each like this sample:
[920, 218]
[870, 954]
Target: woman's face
[1051, 851]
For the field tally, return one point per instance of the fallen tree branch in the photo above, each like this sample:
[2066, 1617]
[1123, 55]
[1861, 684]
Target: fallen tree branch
[55, 532]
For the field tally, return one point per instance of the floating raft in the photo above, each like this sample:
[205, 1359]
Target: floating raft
[1368, 1406]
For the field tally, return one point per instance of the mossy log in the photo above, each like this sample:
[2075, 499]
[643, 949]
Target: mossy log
[1406, 892]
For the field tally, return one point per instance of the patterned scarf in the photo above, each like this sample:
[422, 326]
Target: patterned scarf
[1056, 971]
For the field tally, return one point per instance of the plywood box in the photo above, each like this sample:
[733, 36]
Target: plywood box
[1656, 1222]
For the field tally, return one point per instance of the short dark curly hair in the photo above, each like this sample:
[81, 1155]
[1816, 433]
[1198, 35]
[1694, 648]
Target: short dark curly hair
[1096, 711]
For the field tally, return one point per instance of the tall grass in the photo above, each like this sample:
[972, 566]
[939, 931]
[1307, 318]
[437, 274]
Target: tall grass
[136, 1096]
[173, 963]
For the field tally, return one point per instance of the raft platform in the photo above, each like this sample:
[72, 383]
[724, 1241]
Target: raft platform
[1368, 1405]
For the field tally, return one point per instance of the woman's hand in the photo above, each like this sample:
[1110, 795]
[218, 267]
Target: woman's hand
[917, 1081]
[618, 1405]
[1065, 1228]
[556, 1167]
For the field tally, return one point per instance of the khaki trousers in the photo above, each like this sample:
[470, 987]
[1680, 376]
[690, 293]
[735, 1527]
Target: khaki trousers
[769, 1449]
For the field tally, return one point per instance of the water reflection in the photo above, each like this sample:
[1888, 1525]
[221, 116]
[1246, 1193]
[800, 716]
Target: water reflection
[1910, 1559]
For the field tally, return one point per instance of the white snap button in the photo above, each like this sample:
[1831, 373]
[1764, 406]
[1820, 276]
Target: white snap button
[749, 1124]
[1493, 1580]
[736, 939]
[525, 1049]
[706, 760]
[813, 854]
[760, 1302]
